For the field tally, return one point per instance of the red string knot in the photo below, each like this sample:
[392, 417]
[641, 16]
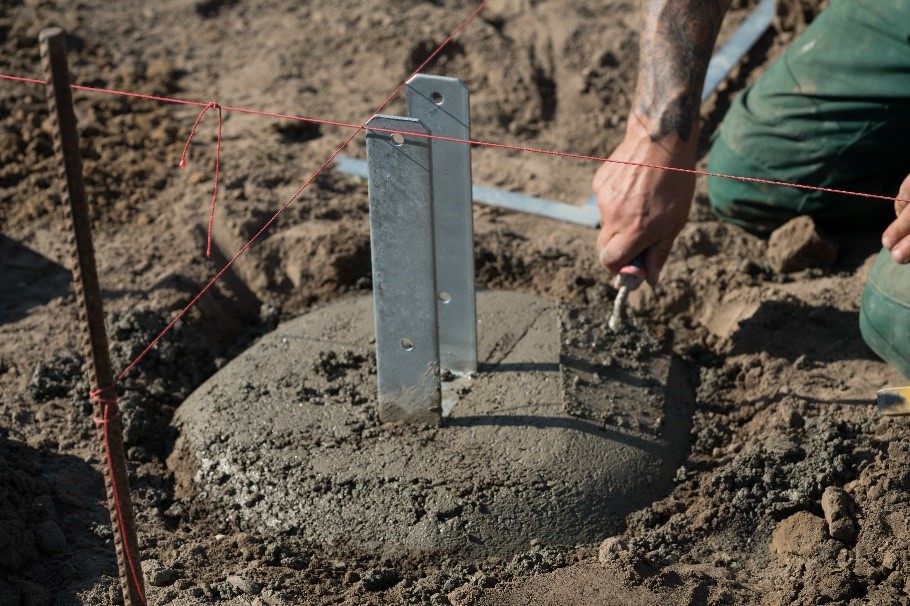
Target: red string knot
[108, 403]
[96, 395]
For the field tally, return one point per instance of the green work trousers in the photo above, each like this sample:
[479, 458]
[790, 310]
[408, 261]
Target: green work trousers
[833, 111]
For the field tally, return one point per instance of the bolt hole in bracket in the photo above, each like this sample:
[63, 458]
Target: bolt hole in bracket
[422, 243]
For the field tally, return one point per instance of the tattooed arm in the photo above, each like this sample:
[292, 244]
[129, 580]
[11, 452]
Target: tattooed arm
[644, 209]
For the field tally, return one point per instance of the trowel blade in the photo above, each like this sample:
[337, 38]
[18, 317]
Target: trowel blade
[617, 379]
[894, 401]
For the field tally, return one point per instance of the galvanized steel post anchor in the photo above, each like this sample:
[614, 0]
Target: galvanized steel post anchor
[422, 244]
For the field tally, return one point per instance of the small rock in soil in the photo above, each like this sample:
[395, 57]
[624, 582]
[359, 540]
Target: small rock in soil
[44, 505]
[539, 560]
[798, 245]
[49, 538]
[610, 549]
[56, 377]
[157, 574]
[244, 585]
[836, 506]
[224, 590]
[800, 534]
[379, 579]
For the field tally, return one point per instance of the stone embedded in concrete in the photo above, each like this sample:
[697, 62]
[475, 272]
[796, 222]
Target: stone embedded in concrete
[286, 439]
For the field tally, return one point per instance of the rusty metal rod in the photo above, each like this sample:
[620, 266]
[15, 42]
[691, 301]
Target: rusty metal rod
[91, 313]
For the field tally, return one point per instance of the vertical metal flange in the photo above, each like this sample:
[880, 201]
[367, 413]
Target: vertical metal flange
[442, 105]
[91, 313]
[404, 270]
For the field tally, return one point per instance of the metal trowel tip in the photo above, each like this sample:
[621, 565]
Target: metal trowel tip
[616, 318]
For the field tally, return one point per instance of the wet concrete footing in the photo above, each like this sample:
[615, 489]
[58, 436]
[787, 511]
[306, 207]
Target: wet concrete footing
[286, 439]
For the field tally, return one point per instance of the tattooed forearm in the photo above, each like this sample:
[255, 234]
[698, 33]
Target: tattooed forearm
[677, 40]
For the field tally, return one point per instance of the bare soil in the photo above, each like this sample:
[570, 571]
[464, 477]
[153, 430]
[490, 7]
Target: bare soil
[785, 385]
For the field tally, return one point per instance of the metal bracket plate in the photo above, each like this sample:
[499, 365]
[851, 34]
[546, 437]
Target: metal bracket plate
[442, 105]
[404, 281]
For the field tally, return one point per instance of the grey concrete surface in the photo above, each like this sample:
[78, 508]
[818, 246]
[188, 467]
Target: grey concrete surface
[286, 439]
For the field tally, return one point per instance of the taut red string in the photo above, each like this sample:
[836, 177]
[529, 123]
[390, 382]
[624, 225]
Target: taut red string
[212, 105]
[357, 128]
[691, 171]
[479, 143]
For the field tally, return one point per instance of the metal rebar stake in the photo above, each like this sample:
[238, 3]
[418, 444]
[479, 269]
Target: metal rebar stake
[91, 313]
[442, 105]
[404, 271]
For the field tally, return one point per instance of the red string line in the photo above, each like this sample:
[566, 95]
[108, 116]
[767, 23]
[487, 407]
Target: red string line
[357, 129]
[110, 404]
[212, 105]
[306, 184]
[21, 79]
[476, 142]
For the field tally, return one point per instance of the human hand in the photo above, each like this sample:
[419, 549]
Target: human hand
[897, 237]
[644, 209]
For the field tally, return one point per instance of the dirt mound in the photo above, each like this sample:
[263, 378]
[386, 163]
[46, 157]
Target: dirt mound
[41, 503]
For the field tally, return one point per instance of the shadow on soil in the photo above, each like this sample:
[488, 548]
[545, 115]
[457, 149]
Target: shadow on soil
[29, 279]
[54, 532]
[791, 330]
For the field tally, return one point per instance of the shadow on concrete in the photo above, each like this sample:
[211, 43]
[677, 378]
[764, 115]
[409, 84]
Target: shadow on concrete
[487, 367]
[29, 280]
[571, 423]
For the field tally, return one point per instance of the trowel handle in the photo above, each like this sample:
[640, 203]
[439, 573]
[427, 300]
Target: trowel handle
[633, 274]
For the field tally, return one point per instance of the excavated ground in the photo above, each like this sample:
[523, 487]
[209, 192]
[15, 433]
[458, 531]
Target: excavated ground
[783, 435]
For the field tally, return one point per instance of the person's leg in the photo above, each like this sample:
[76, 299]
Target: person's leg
[884, 314]
[833, 111]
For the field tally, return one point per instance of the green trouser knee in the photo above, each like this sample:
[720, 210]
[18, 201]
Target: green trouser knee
[884, 314]
[833, 111]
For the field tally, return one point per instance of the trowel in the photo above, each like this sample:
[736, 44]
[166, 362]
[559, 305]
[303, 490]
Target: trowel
[614, 372]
